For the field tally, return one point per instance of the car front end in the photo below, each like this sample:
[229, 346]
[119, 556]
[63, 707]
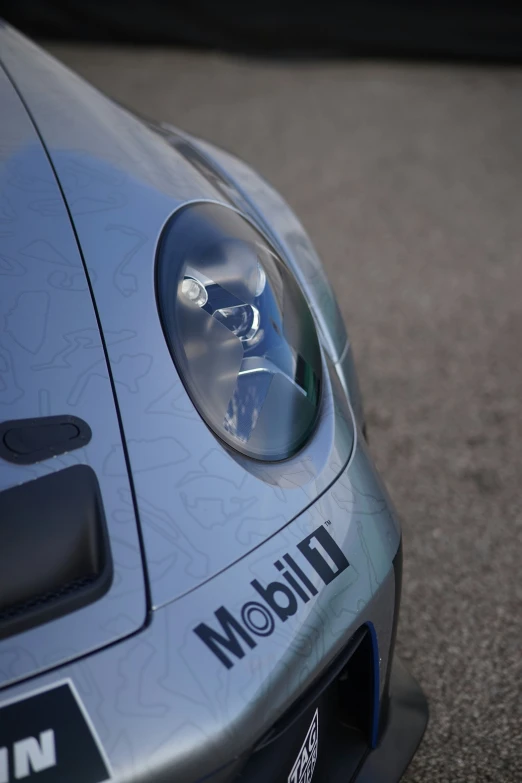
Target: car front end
[200, 570]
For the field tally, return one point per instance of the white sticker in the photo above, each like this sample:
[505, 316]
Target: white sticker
[303, 769]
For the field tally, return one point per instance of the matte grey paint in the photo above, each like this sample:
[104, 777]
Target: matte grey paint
[52, 362]
[163, 706]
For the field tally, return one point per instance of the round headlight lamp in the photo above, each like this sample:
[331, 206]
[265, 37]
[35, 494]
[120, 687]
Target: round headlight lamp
[239, 330]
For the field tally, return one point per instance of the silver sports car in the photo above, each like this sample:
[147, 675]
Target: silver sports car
[200, 569]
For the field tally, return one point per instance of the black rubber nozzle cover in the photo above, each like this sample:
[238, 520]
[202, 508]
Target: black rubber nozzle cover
[54, 548]
[27, 441]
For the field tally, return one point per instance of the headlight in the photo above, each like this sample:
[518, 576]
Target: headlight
[239, 330]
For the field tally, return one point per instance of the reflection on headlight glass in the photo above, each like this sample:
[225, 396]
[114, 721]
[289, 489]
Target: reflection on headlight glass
[240, 330]
[259, 345]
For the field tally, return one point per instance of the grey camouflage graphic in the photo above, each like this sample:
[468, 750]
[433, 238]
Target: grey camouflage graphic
[300, 554]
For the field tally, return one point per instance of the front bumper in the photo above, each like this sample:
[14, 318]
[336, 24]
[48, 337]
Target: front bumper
[322, 740]
[170, 702]
[340, 730]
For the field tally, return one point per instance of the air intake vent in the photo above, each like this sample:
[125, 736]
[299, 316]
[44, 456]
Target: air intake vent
[326, 733]
[54, 548]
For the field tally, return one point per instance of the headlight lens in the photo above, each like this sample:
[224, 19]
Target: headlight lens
[239, 330]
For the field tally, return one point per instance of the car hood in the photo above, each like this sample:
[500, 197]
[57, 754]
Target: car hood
[53, 364]
[199, 507]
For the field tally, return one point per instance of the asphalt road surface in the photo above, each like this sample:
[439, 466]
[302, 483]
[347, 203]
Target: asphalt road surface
[408, 178]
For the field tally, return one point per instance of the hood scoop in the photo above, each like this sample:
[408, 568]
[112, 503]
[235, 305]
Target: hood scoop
[55, 555]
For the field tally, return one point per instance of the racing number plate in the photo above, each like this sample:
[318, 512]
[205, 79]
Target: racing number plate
[47, 737]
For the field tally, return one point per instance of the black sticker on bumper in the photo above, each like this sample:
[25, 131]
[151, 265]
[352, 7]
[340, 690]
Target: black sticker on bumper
[47, 737]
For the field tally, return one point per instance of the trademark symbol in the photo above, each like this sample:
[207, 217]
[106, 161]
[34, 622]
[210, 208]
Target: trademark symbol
[327, 523]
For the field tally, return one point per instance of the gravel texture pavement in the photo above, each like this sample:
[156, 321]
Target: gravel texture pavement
[408, 178]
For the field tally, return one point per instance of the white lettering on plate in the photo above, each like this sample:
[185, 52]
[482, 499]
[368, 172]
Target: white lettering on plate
[30, 755]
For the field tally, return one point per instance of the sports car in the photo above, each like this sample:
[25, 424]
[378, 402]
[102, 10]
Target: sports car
[200, 568]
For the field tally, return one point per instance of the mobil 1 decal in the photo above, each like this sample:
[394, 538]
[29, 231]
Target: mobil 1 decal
[47, 737]
[232, 635]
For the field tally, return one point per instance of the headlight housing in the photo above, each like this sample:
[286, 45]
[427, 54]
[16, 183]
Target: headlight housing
[239, 330]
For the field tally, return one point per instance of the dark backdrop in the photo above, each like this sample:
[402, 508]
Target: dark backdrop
[483, 29]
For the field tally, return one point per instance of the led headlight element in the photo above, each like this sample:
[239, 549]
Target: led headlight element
[239, 330]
